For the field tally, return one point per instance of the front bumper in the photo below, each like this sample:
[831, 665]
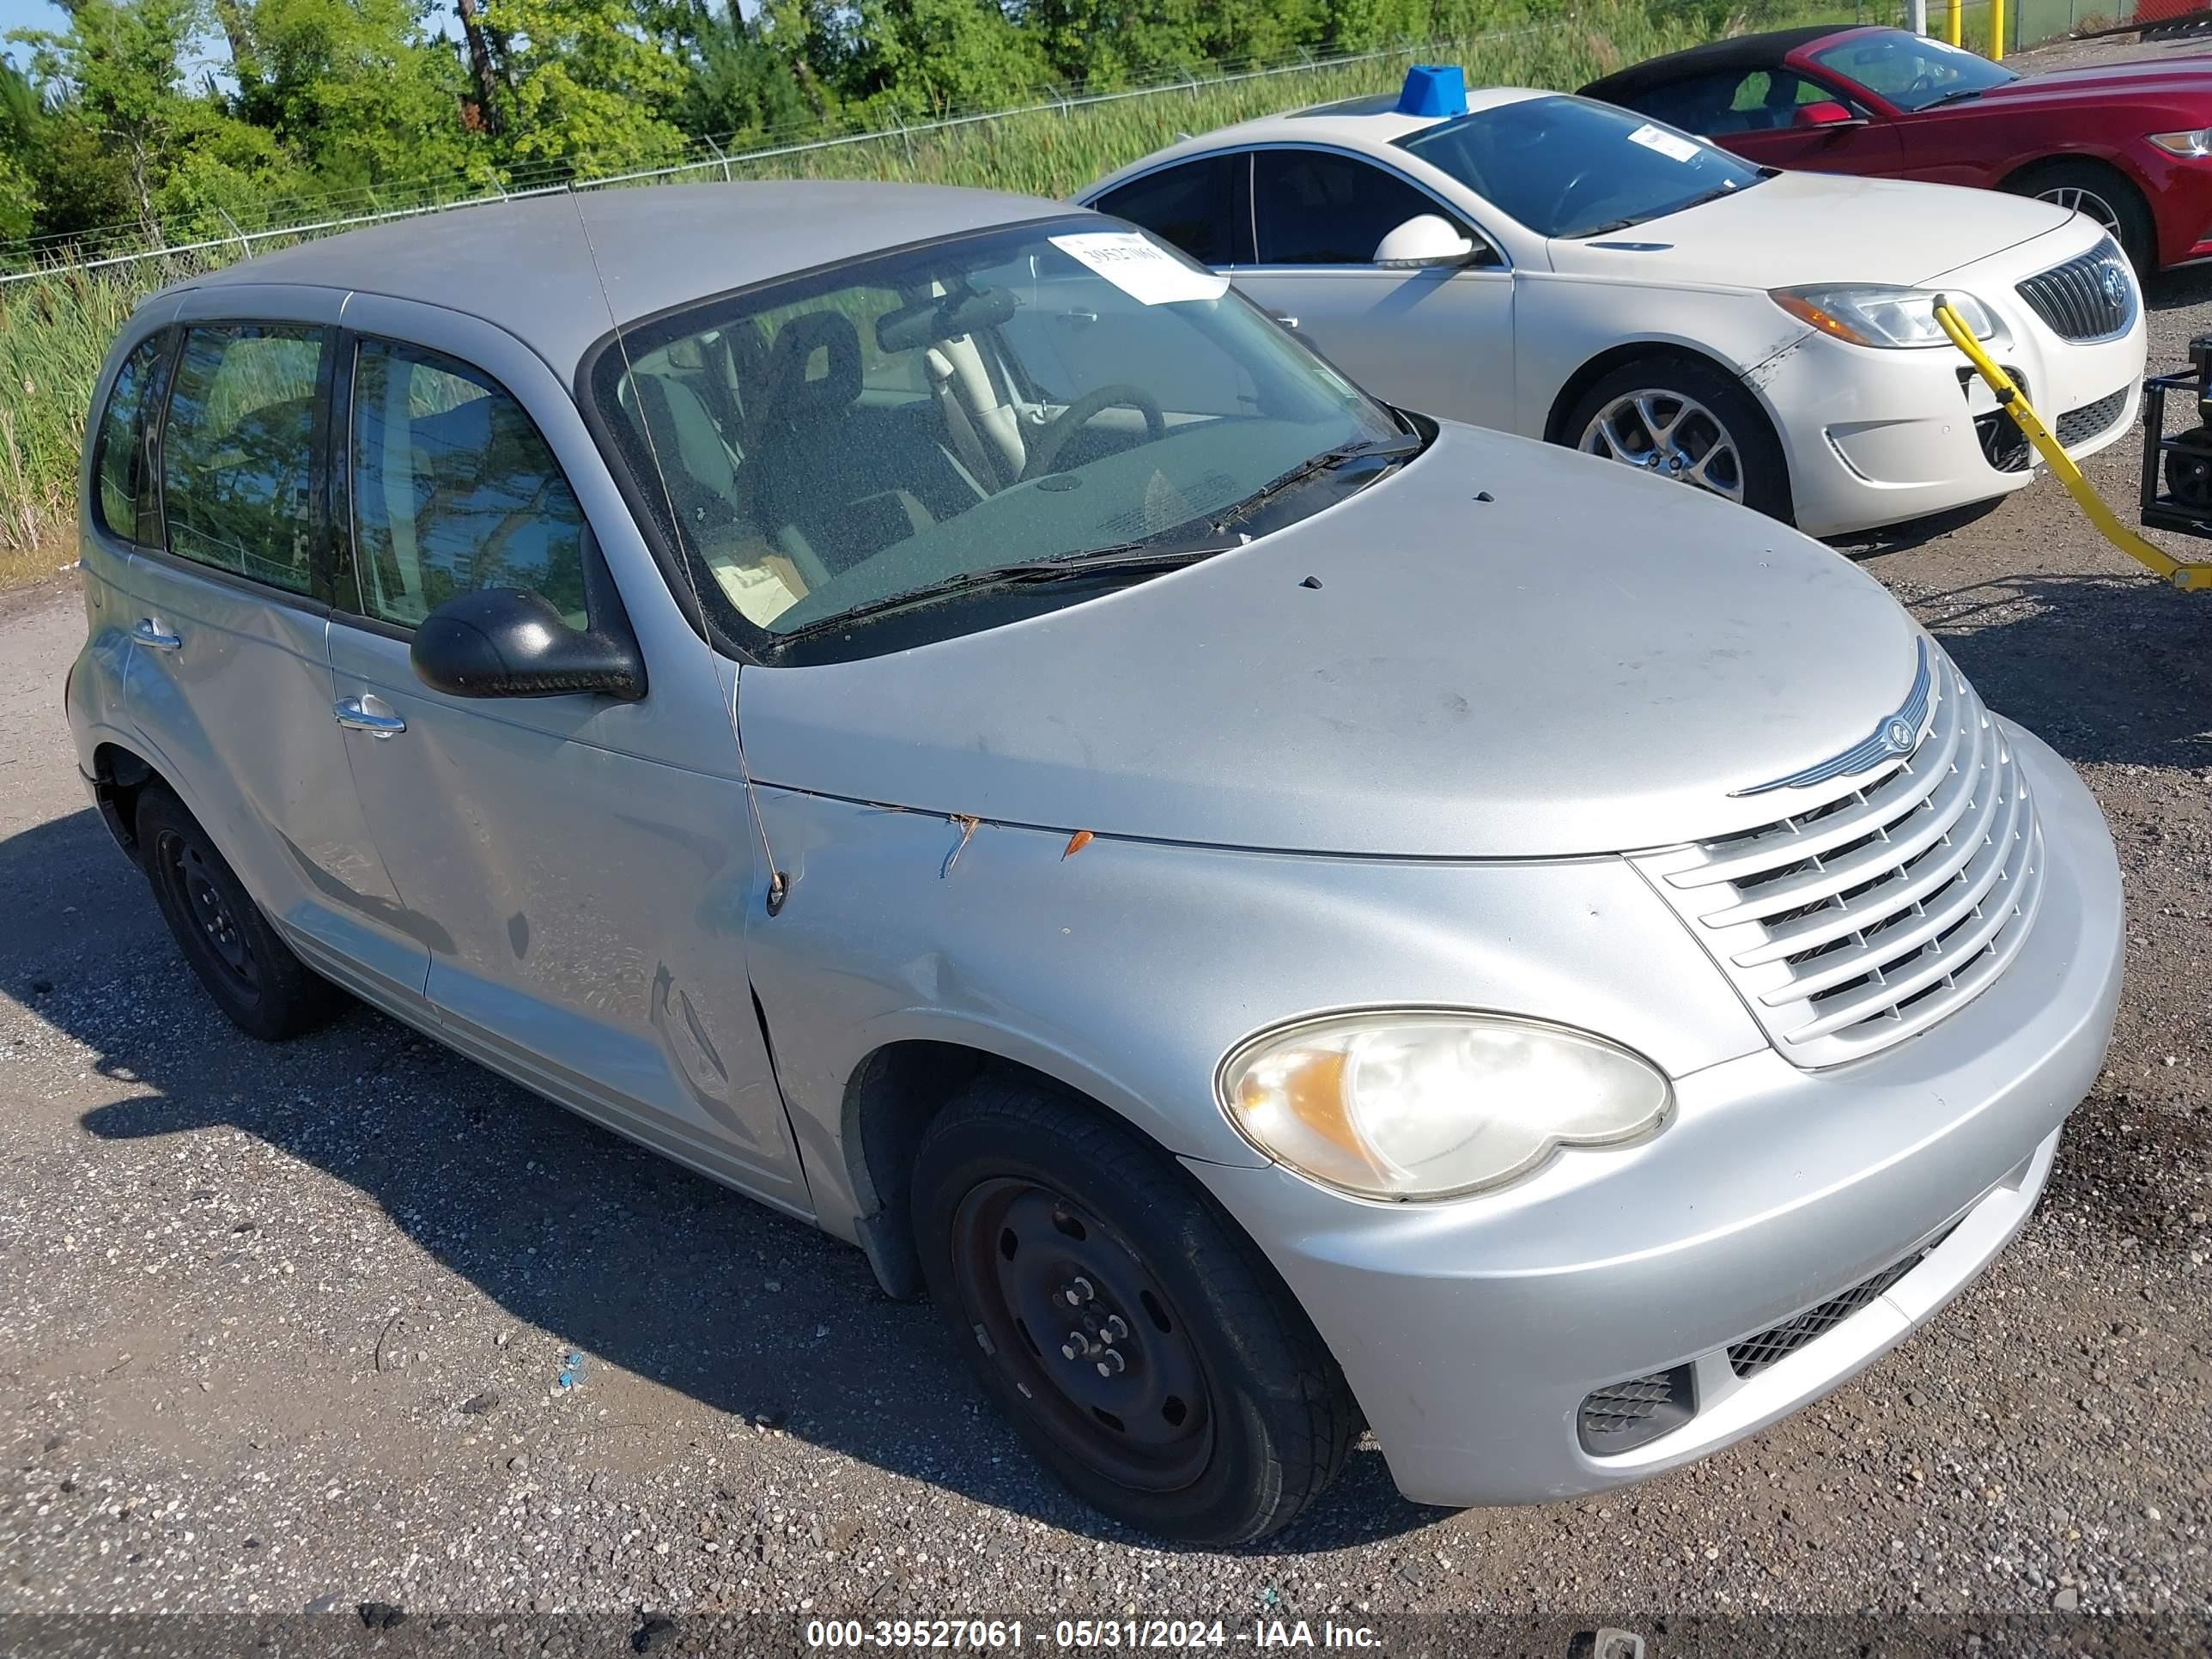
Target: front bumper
[1472, 1331]
[1876, 437]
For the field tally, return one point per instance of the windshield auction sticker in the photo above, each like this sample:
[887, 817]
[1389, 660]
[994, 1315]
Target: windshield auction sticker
[1672, 145]
[1145, 271]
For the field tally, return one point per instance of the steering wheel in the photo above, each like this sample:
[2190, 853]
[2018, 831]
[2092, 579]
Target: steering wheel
[1053, 439]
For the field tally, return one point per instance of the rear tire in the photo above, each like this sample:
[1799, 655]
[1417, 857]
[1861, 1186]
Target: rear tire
[2101, 193]
[1143, 1347]
[252, 974]
[1694, 411]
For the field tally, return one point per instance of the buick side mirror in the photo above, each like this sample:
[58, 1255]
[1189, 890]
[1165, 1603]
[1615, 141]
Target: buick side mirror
[1425, 241]
[511, 642]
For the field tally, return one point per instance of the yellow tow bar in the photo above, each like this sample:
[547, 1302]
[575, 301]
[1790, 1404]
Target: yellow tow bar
[2183, 573]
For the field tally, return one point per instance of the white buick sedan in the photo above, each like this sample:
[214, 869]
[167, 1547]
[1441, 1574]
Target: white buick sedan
[1560, 268]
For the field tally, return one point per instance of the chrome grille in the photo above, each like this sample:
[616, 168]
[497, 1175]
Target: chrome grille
[2078, 426]
[2089, 298]
[1873, 912]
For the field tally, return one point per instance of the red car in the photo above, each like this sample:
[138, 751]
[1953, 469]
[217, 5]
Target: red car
[2129, 145]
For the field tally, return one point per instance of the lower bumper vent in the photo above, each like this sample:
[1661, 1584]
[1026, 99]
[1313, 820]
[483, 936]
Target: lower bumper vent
[1622, 1416]
[1756, 1353]
[2078, 426]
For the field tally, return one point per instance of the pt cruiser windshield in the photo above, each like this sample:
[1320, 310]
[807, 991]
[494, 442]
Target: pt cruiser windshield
[1070, 397]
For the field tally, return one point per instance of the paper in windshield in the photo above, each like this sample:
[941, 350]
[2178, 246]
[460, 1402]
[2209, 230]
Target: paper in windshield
[1141, 269]
[1672, 145]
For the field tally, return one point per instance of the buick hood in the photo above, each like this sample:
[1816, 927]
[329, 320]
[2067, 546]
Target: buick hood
[1504, 649]
[1800, 228]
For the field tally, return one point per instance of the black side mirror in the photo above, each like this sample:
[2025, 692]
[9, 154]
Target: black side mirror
[511, 642]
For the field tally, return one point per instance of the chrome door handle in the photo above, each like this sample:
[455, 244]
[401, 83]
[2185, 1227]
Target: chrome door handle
[355, 714]
[150, 632]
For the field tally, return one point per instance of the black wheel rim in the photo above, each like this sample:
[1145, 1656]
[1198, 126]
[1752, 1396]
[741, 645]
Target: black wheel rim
[1071, 1315]
[190, 875]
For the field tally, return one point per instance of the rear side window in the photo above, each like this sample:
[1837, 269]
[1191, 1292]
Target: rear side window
[1312, 208]
[121, 487]
[1195, 206]
[453, 489]
[238, 452]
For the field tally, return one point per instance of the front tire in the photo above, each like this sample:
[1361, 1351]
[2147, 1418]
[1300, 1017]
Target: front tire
[2097, 193]
[1142, 1346]
[252, 974]
[1685, 420]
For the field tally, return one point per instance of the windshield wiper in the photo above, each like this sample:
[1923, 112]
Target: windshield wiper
[1956, 95]
[1063, 567]
[1712, 195]
[1367, 449]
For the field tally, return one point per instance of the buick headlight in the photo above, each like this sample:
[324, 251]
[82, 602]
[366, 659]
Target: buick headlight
[1871, 314]
[1433, 1105]
[2196, 143]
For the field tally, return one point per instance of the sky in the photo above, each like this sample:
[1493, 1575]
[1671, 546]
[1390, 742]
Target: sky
[25, 15]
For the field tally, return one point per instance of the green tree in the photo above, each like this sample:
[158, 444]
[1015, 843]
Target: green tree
[358, 91]
[22, 114]
[737, 83]
[925, 58]
[118, 60]
[581, 78]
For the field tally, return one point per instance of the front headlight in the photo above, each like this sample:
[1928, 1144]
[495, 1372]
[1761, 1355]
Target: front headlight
[1435, 1104]
[2196, 143]
[1871, 314]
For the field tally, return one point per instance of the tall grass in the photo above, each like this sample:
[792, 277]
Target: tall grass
[55, 330]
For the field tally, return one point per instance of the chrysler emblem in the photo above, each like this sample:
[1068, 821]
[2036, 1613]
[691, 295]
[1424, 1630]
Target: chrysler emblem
[1894, 735]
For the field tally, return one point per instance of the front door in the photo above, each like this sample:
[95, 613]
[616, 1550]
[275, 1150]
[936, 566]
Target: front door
[1437, 341]
[579, 865]
[226, 603]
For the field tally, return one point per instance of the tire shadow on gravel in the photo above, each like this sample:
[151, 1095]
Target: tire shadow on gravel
[612, 1250]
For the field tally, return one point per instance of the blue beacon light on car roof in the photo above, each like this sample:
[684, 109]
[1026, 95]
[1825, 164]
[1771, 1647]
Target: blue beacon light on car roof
[1434, 89]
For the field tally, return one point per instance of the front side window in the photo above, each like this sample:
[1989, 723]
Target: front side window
[453, 489]
[1193, 205]
[122, 489]
[1571, 166]
[1733, 101]
[1314, 208]
[1912, 73]
[1049, 393]
[238, 452]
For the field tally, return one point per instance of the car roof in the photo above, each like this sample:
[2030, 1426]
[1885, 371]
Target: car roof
[1372, 124]
[527, 266]
[1743, 51]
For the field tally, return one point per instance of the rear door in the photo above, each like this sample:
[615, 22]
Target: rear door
[1439, 341]
[227, 603]
[579, 865]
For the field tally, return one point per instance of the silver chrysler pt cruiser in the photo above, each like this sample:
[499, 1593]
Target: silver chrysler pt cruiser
[1277, 912]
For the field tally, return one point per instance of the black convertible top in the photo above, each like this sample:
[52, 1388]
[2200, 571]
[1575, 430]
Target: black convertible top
[1744, 51]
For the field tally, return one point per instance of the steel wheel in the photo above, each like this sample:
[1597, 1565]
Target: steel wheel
[2077, 198]
[1668, 435]
[1085, 1332]
[183, 869]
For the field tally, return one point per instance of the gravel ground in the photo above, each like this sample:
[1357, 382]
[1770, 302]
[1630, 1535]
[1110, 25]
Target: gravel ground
[283, 1328]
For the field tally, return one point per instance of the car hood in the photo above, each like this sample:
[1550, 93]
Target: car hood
[2185, 77]
[1800, 228]
[1591, 661]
